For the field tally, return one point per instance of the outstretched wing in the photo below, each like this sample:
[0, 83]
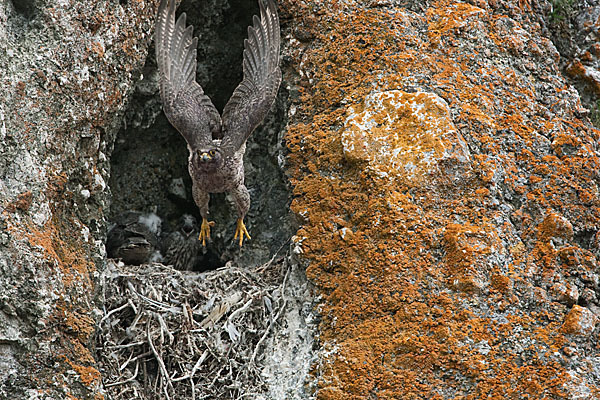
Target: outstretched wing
[253, 97]
[185, 104]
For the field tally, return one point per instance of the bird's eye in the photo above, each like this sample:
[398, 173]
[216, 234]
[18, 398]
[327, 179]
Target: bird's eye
[212, 153]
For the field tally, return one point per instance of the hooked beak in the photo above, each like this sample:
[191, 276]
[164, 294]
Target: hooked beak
[205, 157]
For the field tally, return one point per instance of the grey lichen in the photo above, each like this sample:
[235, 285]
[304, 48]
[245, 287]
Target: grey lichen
[67, 70]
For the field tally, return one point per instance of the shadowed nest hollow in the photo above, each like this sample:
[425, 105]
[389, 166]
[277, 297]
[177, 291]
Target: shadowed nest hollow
[169, 334]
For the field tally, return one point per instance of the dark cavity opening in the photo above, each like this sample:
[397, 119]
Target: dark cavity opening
[25, 7]
[149, 161]
[584, 238]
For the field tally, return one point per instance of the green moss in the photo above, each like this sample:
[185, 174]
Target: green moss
[561, 10]
[595, 114]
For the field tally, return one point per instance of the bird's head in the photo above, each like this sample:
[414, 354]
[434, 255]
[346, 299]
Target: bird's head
[188, 226]
[208, 159]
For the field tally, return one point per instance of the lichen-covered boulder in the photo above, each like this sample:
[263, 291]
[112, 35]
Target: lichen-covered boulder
[479, 279]
[399, 134]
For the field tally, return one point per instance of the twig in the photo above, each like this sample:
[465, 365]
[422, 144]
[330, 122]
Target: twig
[160, 315]
[266, 333]
[122, 367]
[161, 363]
[137, 365]
[163, 327]
[194, 369]
[135, 310]
[124, 346]
[240, 310]
[268, 263]
[153, 302]
[111, 312]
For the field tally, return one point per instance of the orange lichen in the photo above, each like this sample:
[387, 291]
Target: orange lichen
[47, 230]
[425, 282]
[81, 325]
[580, 321]
[62, 251]
[63, 254]
[577, 70]
[501, 283]
[450, 18]
[555, 226]
[98, 49]
[65, 258]
[399, 133]
[89, 376]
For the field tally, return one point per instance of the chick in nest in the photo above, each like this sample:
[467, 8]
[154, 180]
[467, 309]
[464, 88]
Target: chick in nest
[133, 237]
[181, 248]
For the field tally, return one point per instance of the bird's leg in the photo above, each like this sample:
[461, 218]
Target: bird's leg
[241, 230]
[205, 230]
[201, 198]
[241, 197]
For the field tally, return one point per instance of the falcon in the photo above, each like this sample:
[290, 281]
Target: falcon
[217, 143]
[180, 247]
[133, 237]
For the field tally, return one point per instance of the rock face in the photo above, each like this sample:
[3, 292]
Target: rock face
[399, 134]
[84, 139]
[575, 32]
[447, 181]
[444, 174]
[66, 69]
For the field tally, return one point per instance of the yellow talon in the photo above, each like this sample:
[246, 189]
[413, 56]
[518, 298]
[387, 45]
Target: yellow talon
[205, 230]
[241, 231]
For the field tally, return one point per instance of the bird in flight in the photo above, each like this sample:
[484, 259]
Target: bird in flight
[217, 143]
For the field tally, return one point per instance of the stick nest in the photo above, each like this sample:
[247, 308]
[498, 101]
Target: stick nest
[169, 334]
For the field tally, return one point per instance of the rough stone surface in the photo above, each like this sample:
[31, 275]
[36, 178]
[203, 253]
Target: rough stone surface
[66, 70]
[455, 252]
[442, 288]
[575, 31]
[402, 134]
[290, 353]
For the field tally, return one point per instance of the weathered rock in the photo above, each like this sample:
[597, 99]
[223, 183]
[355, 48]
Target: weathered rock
[456, 251]
[66, 70]
[575, 26]
[579, 321]
[464, 283]
[404, 134]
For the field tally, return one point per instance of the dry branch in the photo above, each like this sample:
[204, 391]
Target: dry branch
[169, 334]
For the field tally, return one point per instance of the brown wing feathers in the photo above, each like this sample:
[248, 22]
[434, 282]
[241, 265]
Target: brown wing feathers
[175, 55]
[162, 44]
[254, 96]
[185, 104]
